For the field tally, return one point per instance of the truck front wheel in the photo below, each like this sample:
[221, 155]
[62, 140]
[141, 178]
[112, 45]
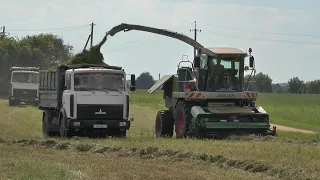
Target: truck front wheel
[64, 132]
[119, 133]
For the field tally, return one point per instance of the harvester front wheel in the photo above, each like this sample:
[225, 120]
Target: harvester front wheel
[164, 124]
[182, 118]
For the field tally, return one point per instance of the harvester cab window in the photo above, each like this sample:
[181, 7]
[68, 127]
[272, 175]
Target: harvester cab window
[184, 74]
[224, 74]
[202, 71]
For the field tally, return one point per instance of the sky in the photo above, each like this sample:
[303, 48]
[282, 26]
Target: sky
[284, 35]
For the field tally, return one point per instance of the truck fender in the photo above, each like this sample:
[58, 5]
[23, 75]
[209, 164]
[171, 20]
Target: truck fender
[62, 113]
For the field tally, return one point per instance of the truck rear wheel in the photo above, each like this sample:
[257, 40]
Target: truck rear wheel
[46, 126]
[12, 102]
[164, 124]
[64, 132]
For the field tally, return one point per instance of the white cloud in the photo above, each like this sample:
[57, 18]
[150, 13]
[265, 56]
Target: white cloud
[55, 7]
[37, 21]
[11, 9]
[272, 10]
[298, 11]
[287, 19]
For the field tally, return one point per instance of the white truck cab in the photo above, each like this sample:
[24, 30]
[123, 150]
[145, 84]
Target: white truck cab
[24, 85]
[85, 100]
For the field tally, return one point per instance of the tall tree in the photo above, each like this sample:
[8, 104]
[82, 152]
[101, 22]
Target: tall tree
[296, 86]
[261, 82]
[144, 81]
[44, 51]
[47, 50]
[313, 87]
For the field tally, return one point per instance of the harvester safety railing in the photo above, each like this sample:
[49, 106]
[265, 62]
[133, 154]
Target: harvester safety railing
[188, 61]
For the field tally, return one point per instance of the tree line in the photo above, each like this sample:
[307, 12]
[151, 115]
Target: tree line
[260, 82]
[263, 83]
[43, 50]
[48, 50]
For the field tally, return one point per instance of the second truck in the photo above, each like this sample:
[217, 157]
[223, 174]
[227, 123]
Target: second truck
[85, 100]
[24, 84]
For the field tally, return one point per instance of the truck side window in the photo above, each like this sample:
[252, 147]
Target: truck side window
[68, 82]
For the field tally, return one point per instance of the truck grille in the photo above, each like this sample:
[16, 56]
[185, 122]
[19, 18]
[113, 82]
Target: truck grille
[90, 111]
[24, 93]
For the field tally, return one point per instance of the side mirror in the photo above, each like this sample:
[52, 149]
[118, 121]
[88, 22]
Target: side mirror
[196, 62]
[251, 61]
[133, 82]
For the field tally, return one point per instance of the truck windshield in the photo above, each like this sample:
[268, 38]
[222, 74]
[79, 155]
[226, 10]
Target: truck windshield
[98, 81]
[224, 74]
[25, 77]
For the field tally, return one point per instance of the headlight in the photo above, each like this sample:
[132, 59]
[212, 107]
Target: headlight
[122, 123]
[76, 123]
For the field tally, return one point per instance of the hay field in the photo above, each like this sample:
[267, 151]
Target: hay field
[26, 155]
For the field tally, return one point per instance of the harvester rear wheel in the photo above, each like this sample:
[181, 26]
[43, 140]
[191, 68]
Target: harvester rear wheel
[182, 117]
[164, 124]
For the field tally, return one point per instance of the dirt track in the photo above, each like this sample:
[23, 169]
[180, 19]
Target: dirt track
[290, 129]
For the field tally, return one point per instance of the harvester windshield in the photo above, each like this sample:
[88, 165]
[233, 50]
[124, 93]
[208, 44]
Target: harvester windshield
[223, 73]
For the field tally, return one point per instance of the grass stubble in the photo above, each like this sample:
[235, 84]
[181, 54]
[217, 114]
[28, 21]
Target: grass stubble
[24, 152]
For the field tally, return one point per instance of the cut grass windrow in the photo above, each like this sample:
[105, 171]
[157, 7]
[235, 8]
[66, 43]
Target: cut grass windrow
[251, 166]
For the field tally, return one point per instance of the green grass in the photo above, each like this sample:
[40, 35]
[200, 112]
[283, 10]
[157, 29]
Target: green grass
[293, 110]
[25, 163]
[298, 136]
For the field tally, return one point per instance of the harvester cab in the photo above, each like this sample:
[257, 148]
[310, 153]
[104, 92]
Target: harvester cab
[210, 97]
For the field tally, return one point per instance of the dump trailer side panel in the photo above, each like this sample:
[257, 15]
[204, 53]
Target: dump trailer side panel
[48, 90]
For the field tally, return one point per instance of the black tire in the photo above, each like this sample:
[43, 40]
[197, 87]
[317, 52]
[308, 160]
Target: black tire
[47, 133]
[164, 124]
[182, 119]
[12, 103]
[117, 133]
[9, 102]
[64, 132]
[121, 134]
